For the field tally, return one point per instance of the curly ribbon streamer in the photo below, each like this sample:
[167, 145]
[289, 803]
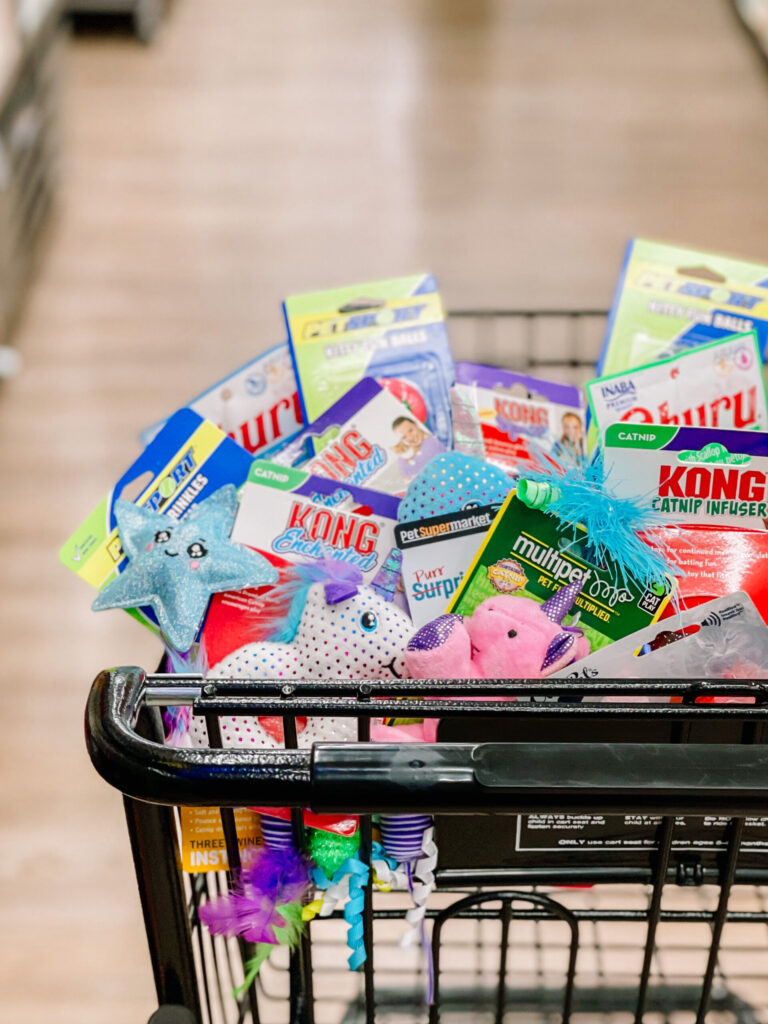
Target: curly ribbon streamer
[348, 882]
[410, 838]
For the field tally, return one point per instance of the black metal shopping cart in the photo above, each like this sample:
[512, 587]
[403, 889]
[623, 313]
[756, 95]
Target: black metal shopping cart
[598, 861]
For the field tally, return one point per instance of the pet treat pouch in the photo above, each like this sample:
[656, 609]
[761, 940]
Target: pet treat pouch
[510, 419]
[694, 474]
[257, 406]
[391, 330]
[436, 554]
[715, 385]
[187, 462]
[670, 299]
[368, 438]
[531, 554]
[723, 639]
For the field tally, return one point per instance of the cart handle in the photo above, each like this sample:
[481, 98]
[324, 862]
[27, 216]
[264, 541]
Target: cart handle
[607, 778]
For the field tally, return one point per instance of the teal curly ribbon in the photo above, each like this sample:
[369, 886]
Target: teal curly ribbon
[353, 912]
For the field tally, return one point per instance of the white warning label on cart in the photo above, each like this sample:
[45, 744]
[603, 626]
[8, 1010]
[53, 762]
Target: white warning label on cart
[550, 832]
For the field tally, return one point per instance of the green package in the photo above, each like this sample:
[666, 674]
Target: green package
[670, 299]
[528, 553]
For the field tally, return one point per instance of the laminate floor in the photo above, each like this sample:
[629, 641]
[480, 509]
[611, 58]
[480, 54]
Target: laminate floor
[260, 148]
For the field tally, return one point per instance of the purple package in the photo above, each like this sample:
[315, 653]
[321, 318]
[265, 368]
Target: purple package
[510, 419]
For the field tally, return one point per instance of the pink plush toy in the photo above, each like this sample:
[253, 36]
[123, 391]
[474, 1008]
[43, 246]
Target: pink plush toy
[506, 638]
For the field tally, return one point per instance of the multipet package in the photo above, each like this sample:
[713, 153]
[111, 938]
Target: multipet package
[257, 406]
[528, 553]
[510, 419]
[671, 299]
[695, 474]
[715, 385]
[391, 330]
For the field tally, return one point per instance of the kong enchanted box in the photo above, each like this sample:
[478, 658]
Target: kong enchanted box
[671, 299]
[695, 474]
[528, 553]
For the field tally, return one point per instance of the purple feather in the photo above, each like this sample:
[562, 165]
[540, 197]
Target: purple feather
[273, 878]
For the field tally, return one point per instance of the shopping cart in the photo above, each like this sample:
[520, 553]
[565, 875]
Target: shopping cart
[598, 861]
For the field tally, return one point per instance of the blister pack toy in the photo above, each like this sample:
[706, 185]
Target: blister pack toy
[392, 330]
[257, 406]
[715, 385]
[510, 419]
[670, 299]
[722, 639]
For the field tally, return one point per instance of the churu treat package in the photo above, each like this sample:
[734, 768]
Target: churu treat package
[257, 406]
[391, 330]
[510, 419]
[715, 385]
[671, 299]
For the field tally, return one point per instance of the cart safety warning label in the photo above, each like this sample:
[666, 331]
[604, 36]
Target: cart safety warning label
[548, 832]
[203, 847]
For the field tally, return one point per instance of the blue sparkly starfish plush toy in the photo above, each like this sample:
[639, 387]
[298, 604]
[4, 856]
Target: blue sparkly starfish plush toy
[175, 565]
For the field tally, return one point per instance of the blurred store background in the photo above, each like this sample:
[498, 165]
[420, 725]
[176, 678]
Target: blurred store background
[168, 173]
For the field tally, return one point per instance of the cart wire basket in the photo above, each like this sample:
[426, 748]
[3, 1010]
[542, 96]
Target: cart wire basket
[598, 862]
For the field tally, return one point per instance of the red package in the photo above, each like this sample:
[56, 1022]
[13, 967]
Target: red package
[340, 825]
[719, 560]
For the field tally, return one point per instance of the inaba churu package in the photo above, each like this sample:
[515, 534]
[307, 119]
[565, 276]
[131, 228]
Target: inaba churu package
[368, 439]
[391, 330]
[257, 406]
[510, 419]
[716, 385]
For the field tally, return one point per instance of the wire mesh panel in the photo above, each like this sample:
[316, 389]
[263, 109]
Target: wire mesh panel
[673, 928]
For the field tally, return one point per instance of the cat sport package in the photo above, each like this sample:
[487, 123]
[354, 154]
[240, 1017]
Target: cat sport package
[715, 385]
[509, 418]
[722, 639]
[696, 474]
[670, 299]
[368, 439]
[188, 461]
[290, 516]
[528, 553]
[391, 330]
[257, 406]
[436, 553]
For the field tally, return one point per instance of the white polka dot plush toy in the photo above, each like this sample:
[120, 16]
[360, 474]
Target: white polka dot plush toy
[335, 628]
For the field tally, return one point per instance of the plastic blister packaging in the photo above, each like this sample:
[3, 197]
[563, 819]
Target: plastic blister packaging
[511, 419]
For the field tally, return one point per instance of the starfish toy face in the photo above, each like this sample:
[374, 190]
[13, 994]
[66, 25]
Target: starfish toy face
[175, 565]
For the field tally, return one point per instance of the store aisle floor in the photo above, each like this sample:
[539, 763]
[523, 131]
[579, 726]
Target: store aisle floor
[509, 147]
